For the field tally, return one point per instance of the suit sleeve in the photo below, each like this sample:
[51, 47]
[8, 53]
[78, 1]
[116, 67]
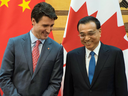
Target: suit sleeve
[56, 77]
[6, 72]
[120, 76]
[68, 81]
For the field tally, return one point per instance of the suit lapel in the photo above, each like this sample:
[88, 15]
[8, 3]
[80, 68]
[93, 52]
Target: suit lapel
[26, 43]
[103, 55]
[82, 65]
[44, 53]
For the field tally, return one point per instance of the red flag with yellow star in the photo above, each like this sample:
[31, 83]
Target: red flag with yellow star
[15, 20]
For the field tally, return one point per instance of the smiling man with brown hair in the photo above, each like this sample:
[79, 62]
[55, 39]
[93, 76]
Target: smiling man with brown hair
[33, 63]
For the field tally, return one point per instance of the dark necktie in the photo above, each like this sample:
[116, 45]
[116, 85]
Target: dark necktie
[91, 66]
[35, 54]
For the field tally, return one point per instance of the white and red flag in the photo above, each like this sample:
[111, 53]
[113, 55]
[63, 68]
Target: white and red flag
[109, 14]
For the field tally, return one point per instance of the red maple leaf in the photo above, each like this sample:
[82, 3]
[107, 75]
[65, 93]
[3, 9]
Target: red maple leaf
[113, 35]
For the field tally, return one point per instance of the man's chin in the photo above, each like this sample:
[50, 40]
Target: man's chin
[43, 38]
[89, 47]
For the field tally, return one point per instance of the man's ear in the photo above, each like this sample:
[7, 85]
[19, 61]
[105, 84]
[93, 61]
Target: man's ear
[33, 21]
[100, 31]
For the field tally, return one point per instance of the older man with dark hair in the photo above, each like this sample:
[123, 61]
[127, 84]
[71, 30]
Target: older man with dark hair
[95, 69]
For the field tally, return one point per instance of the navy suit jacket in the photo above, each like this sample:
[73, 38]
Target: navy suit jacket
[109, 77]
[16, 75]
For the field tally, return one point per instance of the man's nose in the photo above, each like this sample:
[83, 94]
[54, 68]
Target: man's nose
[49, 29]
[87, 37]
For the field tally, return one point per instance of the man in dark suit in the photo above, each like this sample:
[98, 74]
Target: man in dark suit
[22, 72]
[99, 74]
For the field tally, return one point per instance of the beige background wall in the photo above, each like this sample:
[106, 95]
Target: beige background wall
[62, 7]
[125, 18]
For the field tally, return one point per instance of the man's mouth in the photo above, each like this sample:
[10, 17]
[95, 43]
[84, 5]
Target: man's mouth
[88, 43]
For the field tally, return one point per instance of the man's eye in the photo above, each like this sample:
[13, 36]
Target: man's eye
[81, 35]
[92, 33]
[51, 25]
[44, 25]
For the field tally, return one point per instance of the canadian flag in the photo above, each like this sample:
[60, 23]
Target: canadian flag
[109, 14]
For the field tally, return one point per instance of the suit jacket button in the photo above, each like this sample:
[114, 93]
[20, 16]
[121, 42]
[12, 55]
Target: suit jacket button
[90, 91]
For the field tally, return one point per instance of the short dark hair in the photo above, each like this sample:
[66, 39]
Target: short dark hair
[43, 9]
[88, 19]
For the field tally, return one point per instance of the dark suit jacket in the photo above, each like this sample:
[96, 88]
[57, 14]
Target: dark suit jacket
[109, 77]
[17, 77]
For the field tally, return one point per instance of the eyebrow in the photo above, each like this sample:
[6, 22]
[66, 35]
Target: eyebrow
[81, 32]
[88, 32]
[92, 31]
[47, 25]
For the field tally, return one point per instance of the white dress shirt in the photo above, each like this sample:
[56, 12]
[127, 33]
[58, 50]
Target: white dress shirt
[88, 56]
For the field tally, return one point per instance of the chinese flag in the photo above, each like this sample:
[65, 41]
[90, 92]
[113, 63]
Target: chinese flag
[15, 20]
[109, 14]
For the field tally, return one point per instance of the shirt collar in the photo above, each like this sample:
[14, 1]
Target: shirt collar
[96, 50]
[34, 39]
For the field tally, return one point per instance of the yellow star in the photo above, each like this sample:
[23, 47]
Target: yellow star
[25, 5]
[4, 2]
